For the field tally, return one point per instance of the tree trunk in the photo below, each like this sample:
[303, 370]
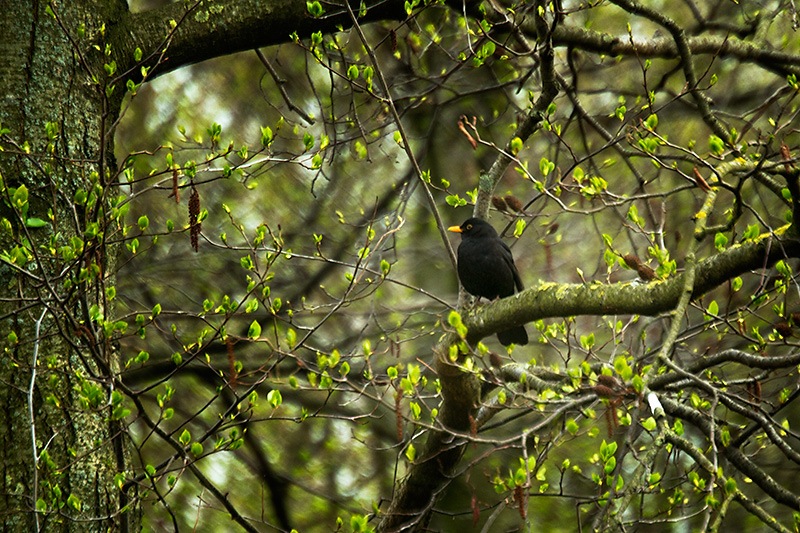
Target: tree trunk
[63, 448]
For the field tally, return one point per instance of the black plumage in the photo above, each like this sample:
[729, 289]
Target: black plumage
[486, 269]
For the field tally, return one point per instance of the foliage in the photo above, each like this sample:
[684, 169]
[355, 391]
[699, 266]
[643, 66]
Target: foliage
[267, 265]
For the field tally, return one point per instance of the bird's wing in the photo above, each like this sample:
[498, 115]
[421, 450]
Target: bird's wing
[508, 257]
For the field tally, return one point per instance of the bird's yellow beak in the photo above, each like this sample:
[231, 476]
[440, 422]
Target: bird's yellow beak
[454, 228]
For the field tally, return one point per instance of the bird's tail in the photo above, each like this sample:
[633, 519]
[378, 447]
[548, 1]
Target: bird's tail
[516, 335]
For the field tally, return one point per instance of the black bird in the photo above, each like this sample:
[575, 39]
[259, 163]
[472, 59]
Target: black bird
[486, 269]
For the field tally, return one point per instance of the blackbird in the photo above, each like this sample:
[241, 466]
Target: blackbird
[486, 269]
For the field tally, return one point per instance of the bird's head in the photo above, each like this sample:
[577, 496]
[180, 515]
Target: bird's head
[474, 227]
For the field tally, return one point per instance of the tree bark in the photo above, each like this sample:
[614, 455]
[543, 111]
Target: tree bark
[62, 453]
[560, 299]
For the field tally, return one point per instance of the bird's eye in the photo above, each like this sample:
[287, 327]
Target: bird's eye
[469, 227]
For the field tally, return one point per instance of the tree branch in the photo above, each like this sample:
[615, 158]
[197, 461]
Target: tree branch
[738, 459]
[562, 299]
[229, 26]
[665, 47]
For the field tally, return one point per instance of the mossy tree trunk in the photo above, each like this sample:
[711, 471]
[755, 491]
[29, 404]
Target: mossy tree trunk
[62, 446]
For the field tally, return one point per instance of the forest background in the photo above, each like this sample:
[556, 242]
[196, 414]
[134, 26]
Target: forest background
[229, 299]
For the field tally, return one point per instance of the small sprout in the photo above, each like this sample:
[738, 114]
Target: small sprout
[274, 398]
[255, 330]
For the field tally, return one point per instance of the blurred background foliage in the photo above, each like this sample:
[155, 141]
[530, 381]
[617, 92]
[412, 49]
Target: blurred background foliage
[284, 235]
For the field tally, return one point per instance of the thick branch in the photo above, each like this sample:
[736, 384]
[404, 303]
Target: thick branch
[558, 299]
[429, 476]
[228, 26]
[665, 47]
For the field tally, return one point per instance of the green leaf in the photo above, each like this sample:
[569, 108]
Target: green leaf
[454, 319]
[274, 398]
[266, 136]
[516, 145]
[610, 464]
[633, 216]
[587, 341]
[366, 346]
[308, 141]
[315, 9]
[74, 502]
[291, 338]
[750, 233]
[572, 426]
[784, 269]
[546, 166]
[519, 227]
[716, 145]
[638, 384]
[34, 223]
[455, 200]
[720, 241]
[80, 197]
[20, 197]
[368, 72]
[414, 374]
[713, 309]
[695, 400]
[649, 424]
[255, 330]
[411, 453]
[610, 257]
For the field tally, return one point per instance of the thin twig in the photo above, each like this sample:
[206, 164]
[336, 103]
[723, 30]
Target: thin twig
[280, 82]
